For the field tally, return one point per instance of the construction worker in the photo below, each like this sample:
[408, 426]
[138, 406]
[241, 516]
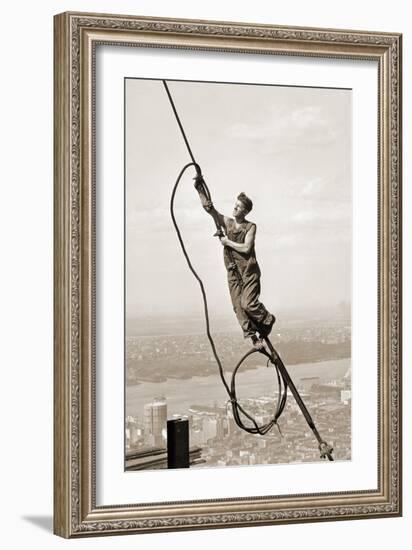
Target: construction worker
[242, 268]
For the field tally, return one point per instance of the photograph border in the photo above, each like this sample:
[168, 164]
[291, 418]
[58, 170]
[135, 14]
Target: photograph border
[76, 36]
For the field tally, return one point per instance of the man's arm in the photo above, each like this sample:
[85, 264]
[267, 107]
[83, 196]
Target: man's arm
[207, 203]
[243, 248]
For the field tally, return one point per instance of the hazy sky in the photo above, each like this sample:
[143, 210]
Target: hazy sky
[289, 149]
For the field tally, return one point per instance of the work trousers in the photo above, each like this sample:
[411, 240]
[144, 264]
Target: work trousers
[250, 312]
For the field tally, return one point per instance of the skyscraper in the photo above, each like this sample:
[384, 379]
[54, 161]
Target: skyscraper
[155, 421]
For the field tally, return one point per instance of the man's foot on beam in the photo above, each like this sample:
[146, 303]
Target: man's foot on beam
[257, 342]
[266, 329]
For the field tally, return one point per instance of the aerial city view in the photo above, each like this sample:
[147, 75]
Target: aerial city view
[176, 376]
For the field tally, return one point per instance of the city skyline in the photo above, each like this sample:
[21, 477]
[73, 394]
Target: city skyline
[219, 441]
[178, 374]
[157, 324]
[173, 356]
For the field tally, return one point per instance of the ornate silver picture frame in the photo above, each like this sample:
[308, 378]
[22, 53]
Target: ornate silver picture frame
[81, 506]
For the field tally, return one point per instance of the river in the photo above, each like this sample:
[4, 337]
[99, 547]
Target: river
[208, 390]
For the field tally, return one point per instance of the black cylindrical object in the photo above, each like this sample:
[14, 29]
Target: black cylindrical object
[178, 443]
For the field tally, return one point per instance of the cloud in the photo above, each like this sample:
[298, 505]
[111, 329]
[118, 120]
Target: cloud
[337, 213]
[285, 128]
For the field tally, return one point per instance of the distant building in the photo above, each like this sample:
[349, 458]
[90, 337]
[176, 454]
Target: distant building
[347, 379]
[155, 421]
[133, 433]
[196, 437]
[345, 396]
[209, 428]
[220, 428]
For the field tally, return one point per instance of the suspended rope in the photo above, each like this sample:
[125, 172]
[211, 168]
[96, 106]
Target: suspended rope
[283, 378]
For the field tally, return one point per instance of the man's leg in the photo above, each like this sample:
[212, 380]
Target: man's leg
[254, 309]
[248, 327]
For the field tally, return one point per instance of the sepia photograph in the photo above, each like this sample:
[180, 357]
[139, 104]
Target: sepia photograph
[227, 339]
[238, 274]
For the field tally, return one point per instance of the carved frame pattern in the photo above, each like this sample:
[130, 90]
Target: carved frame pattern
[75, 38]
